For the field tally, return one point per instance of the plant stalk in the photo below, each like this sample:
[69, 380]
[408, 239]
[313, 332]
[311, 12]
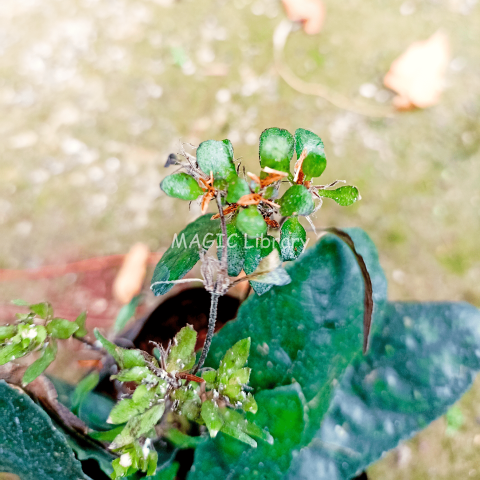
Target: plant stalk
[211, 329]
[222, 280]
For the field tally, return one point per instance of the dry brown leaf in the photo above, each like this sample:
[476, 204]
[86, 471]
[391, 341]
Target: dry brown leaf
[130, 278]
[418, 74]
[310, 12]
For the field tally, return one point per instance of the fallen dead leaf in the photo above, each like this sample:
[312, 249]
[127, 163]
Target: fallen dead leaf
[310, 12]
[130, 278]
[418, 74]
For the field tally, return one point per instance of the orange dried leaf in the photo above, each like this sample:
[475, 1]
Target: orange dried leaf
[418, 74]
[250, 199]
[253, 177]
[130, 278]
[310, 12]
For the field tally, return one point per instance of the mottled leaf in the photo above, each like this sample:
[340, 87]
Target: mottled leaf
[181, 185]
[251, 223]
[314, 162]
[237, 188]
[297, 200]
[344, 196]
[183, 254]
[292, 239]
[235, 249]
[216, 157]
[276, 149]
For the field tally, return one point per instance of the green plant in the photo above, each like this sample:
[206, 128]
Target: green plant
[324, 406]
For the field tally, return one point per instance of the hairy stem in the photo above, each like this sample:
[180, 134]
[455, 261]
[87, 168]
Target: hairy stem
[224, 261]
[211, 329]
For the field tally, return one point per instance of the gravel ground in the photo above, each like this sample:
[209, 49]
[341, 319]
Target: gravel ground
[94, 95]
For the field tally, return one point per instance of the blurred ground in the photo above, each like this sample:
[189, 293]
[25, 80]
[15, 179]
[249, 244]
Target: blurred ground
[94, 94]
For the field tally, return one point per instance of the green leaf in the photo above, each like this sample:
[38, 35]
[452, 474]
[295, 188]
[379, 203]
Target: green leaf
[126, 313]
[182, 352]
[211, 416]
[139, 426]
[255, 251]
[183, 254]
[7, 331]
[80, 321]
[251, 223]
[83, 388]
[61, 328]
[421, 360]
[48, 355]
[31, 447]
[315, 162]
[235, 358]
[126, 358]
[292, 239]
[276, 149]
[235, 249]
[216, 157]
[297, 200]
[136, 374]
[304, 334]
[20, 303]
[237, 188]
[43, 310]
[11, 352]
[181, 185]
[344, 196]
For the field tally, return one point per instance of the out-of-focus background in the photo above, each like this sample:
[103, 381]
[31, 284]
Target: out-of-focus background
[94, 95]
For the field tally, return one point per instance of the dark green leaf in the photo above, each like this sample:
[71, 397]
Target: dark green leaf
[31, 447]
[423, 358]
[80, 321]
[43, 310]
[61, 328]
[182, 352]
[276, 149]
[235, 249]
[126, 313]
[183, 254]
[344, 196]
[47, 356]
[292, 239]
[251, 223]
[181, 440]
[181, 185]
[83, 388]
[216, 157]
[315, 162]
[297, 200]
[305, 334]
[237, 188]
